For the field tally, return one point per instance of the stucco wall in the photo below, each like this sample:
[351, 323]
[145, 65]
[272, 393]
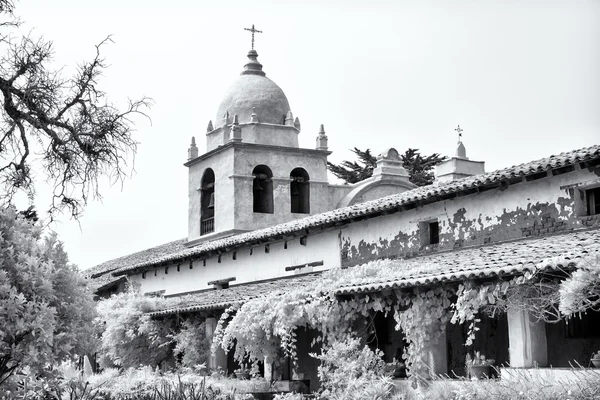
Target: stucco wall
[251, 264]
[222, 163]
[521, 210]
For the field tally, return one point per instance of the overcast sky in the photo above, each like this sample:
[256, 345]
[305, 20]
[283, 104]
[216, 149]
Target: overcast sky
[522, 78]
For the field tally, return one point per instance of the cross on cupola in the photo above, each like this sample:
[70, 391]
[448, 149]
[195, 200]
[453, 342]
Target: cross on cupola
[253, 32]
[460, 131]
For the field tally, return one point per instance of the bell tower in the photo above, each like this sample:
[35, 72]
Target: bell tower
[254, 174]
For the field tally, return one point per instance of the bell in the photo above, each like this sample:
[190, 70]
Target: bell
[211, 203]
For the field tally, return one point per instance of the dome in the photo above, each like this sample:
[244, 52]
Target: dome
[254, 91]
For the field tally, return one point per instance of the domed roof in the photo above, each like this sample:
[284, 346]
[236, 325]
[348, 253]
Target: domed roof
[254, 92]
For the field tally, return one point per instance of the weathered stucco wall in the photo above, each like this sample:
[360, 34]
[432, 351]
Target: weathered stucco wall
[251, 264]
[521, 210]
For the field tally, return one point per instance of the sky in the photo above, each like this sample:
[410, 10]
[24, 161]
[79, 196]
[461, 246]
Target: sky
[522, 78]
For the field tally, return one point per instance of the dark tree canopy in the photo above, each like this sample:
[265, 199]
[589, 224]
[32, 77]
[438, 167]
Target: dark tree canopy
[419, 167]
[61, 127]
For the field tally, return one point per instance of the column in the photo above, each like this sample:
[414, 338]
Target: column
[527, 340]
[219, 359]
[437, 356]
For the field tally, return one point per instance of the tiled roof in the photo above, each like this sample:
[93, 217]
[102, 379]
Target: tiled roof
[223, 298]
[559, 252]
[370, 208]
[100, 276]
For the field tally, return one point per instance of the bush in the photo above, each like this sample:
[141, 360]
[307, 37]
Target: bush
[191, 343]
[46, 308]
[131, 337]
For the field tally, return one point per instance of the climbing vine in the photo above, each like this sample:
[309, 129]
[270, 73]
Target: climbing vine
[266, 326]
[422, 315]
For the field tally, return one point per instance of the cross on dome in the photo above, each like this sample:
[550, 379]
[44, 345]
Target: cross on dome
[253, 31]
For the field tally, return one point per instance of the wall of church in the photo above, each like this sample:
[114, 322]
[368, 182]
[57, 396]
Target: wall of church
[521, 210]
[250, 264]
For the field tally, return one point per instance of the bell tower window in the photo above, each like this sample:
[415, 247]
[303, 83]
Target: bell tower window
[207, 202]
[299, 191]
[262, 190]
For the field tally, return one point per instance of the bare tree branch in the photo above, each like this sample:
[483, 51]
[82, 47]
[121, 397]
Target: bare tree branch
[61, 126]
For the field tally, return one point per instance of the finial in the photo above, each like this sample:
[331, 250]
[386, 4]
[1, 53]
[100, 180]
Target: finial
[297, 123]
[193, 150]
[321, 139]
[289, 119]
[253, 67]
[253, 116]
[460, 131]
[253, 31]
[210, 127]
[235, 132]
[226, 118]
[461, 151]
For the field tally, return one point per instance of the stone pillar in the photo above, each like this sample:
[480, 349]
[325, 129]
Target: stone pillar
[219, 359]
[527, 340]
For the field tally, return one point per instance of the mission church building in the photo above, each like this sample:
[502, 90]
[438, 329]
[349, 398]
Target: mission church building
[263, 216]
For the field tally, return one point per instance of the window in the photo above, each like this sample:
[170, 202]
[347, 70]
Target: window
[593, 201]
[262, 190]
[207, 202]
[299, 191]
[430, 232]
[434, 232]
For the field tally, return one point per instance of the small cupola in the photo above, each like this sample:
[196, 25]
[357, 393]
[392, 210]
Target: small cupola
[458, 166]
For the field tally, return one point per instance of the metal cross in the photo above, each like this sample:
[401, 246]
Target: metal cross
[253, 31]
[460, 131]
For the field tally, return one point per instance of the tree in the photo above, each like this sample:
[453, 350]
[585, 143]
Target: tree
[419, 167]
[63, 126]
[46, 308]
[130, 336]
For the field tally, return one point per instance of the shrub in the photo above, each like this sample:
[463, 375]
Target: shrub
[46, 308]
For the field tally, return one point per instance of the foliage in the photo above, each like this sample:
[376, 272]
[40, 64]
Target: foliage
[46, 308]
[262, 326]
[191, 343]
[60, 124]
[419, 167]
[580, 292]
[478, 360]
[347, 366]
[535, 292]
[422, 315]
[130, 336]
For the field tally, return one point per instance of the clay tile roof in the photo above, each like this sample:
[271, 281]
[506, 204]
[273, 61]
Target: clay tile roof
[222, 298]
[374, 207]
[100, 274]
[559, 252]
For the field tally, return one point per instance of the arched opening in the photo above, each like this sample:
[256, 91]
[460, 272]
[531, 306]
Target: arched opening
[300, 191]
[262, 189]
[207, 202]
